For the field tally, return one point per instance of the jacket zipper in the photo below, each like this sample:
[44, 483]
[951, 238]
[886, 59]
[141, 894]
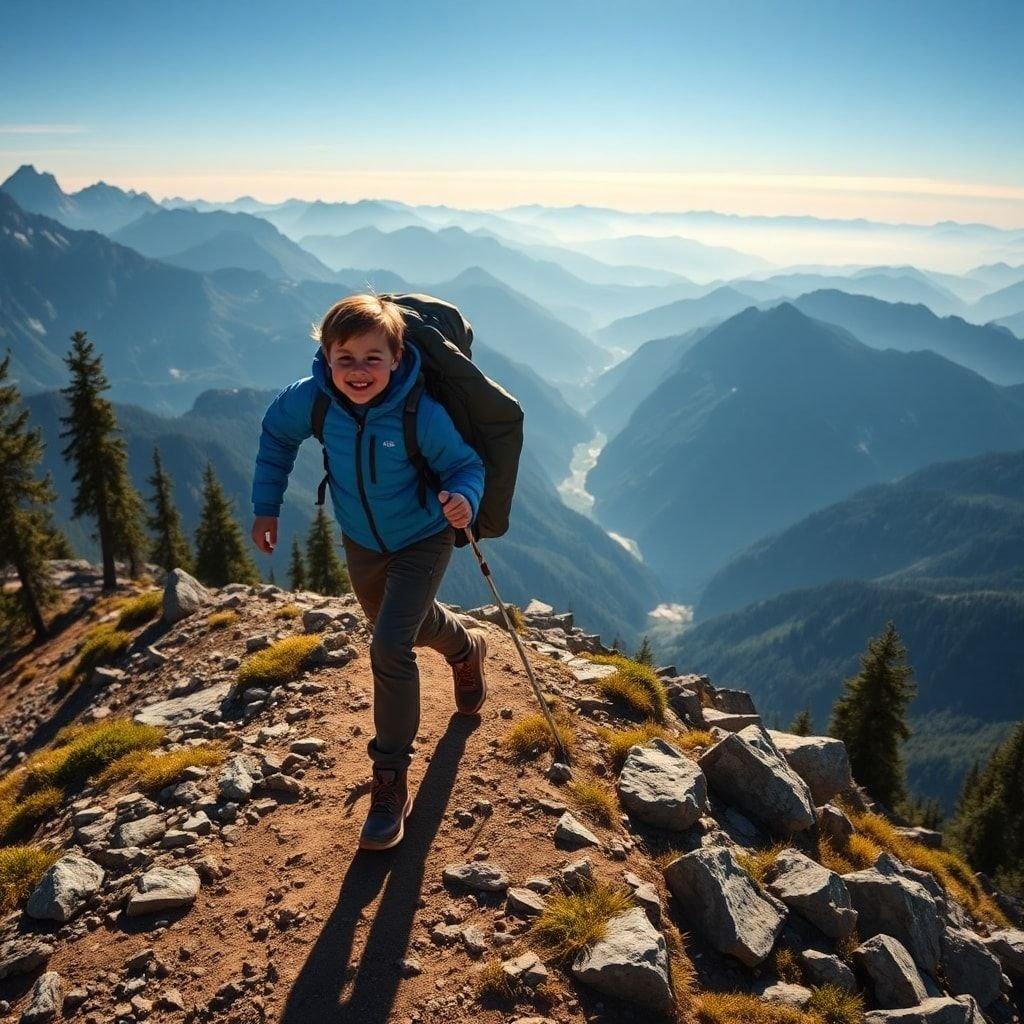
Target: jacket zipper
[362, 488]
[373, 458]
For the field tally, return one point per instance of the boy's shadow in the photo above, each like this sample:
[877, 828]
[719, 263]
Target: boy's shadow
[371, 984]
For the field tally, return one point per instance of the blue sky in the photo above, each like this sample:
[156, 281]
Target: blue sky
[904, 110]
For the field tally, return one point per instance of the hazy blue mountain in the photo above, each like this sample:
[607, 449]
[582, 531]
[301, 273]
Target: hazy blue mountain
[953, 526]
[243, 204]
[1005, 302]
[99, 207]
[674, 318]
[297, 218]
[771, 416]
[549, 551]
[1014, 323]
[432, 256]
[997, 275]
[794, 651]
[990, 350]
[684, 256]
[217, 240]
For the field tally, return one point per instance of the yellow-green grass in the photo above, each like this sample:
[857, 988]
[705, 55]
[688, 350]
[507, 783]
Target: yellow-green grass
[281, 662]
[221, 620]
[152, 771]
[833, 1005]
[21, 867]
[636, 685]
[951, 871]
[572, 920]
[757, 862]
[694, 739]
[858, 852]
[621, 740]
[492, 982]
[138, 610]
[530, 735]
[20, 813]
[288, 611]
[83, 751]
[786, 966]
[741, 1008]
[594, 801]
[681, 972]
[102, 644]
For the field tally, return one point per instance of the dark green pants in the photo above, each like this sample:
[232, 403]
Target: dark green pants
[396, 591]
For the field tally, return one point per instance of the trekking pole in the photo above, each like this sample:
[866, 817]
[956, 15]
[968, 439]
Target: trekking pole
[562, 753]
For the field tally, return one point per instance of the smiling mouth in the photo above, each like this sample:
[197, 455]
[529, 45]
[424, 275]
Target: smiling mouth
[359, 385]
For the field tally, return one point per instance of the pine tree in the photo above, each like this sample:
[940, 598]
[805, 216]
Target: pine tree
[97, 452]
[170, 548]
[802, 725]
[28, 537]
[326, 571]
[644, 653]
[989, 824]
[870, 717]
[297, 568]
[221, 555]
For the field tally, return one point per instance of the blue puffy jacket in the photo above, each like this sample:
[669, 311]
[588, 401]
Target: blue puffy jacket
[374, 486]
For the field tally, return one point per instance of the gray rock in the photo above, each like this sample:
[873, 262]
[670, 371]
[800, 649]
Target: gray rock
[308, 746]
[970, 968]
[64, 889]
[525, 969]
[183, 595]
[141, 832]
[895, 979]
[22, 955]
[834, 825]
[646, 895]
[686, 704]
[745, 770]
[559, 772]
[820, 761]
[164, 889]
[825, 969]
[713, 718]
[937, 1010]
[815, 893]
[726, 908]
[45, 1000]
[576, 874]
[925, 836]
[477, 874]
[237, 778]
[889, 904]
[783, 992]
[662, 787]
[473, 940]
[177, 710]
[630, 962]
[525, 902]
[573, 832]
[733, 702]
[1007, 945]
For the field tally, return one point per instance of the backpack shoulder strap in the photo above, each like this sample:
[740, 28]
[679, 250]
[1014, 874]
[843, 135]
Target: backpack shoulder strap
[428, 478]
[321, 403]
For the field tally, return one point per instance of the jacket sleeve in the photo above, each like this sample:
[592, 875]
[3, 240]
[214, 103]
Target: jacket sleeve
[286, 424]
[457, 464]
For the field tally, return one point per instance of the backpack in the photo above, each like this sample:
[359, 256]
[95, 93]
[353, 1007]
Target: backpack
[489, 419]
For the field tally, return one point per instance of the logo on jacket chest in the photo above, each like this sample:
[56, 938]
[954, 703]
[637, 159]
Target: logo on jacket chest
[388, 444]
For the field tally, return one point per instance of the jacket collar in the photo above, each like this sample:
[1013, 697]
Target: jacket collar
[402, 380]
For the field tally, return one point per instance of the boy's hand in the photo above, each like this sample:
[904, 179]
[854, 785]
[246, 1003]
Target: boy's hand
[456, 508]
[264, 533]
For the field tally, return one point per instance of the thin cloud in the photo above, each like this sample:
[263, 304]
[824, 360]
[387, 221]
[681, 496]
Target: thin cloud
[41, 129]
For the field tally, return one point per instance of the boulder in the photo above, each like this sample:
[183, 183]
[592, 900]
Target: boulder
[64, 889]
[822, 762]
[815, 893]
[525, 902]
[733, 702]
[937, 1010]
[177, 710]
[22, 955]
[477, 874]
[183, 595]
[660, 786]
[45, 1000]
[745, 770]
[889, 904]
[140, 832]
[970, 968]
[727, 910]
[825, 969]
[163, 889]
[895, 979]
[686, 704]
[1007, 945]
[783, 992]
[713, 718]
[237, 778]
[630, 962]
[834, 825]
[573, 832]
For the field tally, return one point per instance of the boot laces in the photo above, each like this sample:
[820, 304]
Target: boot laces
[384, 793]
[465, 675]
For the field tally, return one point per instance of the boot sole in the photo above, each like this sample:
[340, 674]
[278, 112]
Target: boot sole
[371, 844]
[483, 682]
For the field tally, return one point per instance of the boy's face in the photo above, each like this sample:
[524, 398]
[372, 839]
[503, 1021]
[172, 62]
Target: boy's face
[361, 368]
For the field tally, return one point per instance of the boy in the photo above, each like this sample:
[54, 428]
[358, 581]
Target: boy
[397, 549]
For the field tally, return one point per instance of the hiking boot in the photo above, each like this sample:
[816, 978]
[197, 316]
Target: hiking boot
[390, 803]
[468, 675]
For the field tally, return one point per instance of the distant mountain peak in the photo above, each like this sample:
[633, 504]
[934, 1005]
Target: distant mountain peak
[26, 182]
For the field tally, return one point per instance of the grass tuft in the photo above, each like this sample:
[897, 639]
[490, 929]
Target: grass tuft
[281, 662]
[138, 610]
[572, 920]
[620, 740]
[757, 862]
[594, 801]
[493, 983]
[152, 771]
[288, 611]
[221, 620]
[21, 867]
[834, 1005]
[740, 1008]
[530, 735]
[694, 740]
[636, 685]
[102, 644]
[20, 813]
[786, 967]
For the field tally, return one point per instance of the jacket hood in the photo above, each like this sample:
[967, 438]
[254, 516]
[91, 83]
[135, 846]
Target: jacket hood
[400, 384]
